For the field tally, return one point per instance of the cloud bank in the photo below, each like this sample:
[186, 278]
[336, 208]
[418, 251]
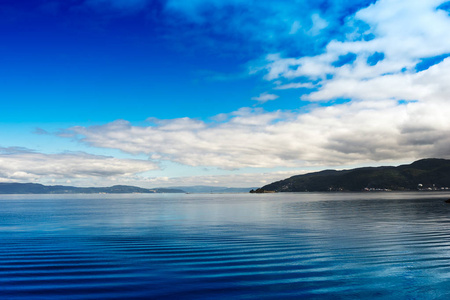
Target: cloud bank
[356, 132]
[19, 164]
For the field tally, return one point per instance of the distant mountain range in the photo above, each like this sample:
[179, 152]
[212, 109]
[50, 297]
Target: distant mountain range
[425, 174]
[34, 188]
[203, 189]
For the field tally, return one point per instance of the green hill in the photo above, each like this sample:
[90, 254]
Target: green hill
[425, 174]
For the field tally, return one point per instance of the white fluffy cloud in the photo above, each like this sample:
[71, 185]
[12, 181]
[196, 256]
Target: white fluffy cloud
[356, 132]
[430, 85]
[379, 59]
[18, 164]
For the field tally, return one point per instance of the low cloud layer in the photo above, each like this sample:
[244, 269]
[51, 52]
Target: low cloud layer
[82, 169]
[19, 164]
[356, 132]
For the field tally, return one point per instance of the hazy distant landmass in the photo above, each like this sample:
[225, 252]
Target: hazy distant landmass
[425, 174]
[35, 188]
[212, 189]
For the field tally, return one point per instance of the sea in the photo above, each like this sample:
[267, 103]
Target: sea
[380, 245]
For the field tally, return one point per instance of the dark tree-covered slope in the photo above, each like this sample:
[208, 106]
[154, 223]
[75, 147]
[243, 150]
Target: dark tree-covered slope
[424, 174]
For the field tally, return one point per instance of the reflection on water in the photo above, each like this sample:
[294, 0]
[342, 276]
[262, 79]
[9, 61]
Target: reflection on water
[326, 246]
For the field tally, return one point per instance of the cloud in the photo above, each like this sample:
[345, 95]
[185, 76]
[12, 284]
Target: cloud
[428, 85]
[393, 68]
[295, 85]
[353, 133]
[318, 24]
[389, 40]
[264, 97]
[40, 131]
[21, 164]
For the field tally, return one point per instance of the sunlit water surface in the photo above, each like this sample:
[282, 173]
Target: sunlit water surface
[240, 246]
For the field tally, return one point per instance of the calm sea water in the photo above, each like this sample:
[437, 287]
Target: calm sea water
[240, 246]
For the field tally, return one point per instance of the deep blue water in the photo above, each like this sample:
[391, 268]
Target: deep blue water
[240, 246]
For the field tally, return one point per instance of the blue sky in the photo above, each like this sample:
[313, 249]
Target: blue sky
[234, 93]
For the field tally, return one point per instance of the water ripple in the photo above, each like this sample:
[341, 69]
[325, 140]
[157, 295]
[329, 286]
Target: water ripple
[285, 248]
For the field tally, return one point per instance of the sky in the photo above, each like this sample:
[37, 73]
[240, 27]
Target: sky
[159, 93]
